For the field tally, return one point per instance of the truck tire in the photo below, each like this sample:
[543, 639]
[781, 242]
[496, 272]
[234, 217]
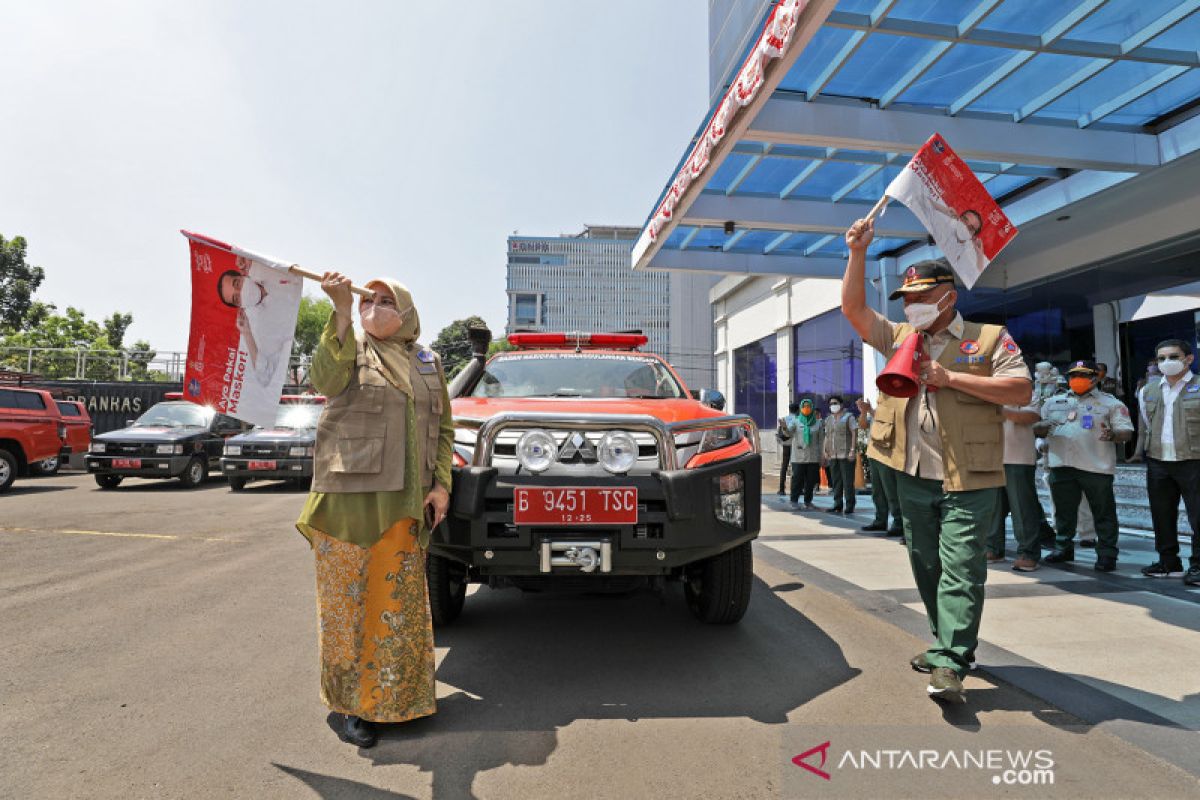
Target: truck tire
[47, 466]
[8, 470]
[236, 484]
[108, 481]
[718, 589]
[194, 473]
[447, 588]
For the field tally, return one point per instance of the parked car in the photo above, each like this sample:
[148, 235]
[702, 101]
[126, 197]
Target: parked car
[283, 451]
[173, 439]
[583, 463]
[78, 425]
[31, 430]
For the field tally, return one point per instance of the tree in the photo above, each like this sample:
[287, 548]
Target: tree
[314, 313]
[115, 327]
[18, 281]
[500, 345]
[453, 346]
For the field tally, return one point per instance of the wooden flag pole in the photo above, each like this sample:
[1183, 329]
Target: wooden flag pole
[312, 276]
[878, 207]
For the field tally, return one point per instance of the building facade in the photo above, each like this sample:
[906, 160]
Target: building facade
[582, 282]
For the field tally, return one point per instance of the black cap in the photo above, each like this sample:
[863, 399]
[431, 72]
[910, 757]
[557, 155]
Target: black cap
[1083, 367]
[922, 276]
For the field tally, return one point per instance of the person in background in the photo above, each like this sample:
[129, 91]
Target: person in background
[1080, 427]
[1106, 383]
[784, 437]
[883, 484]
[806, 453]
[841, 439]
[1020, 492]
[1170, 439]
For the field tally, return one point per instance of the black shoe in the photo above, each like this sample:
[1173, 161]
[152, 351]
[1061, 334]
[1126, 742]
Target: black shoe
[1087, 544]
[874, 526]
[1060, 556]
[359, 732]
[895, 532]
[1160, 570]
[834, 510]
[1192, 578]
[1105, 564]
[849, 512]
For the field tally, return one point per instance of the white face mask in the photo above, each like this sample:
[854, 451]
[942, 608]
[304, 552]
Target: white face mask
[834, 408]
[379, 321]
[252, 293]
[922, 315]
[1172, 367]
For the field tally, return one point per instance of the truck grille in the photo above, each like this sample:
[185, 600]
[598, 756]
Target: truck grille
[577, 451]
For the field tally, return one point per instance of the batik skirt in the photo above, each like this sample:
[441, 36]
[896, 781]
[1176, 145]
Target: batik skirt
[376, 634]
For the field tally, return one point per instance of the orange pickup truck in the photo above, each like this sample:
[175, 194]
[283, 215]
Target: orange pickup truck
[31, 430]
[584, 463]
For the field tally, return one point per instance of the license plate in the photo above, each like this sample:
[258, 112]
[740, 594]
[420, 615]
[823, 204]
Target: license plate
[261, 465]
[127, 463]
[575, 505]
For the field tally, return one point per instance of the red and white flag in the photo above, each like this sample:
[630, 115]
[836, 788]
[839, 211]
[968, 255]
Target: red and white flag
[944, 194]
[244, 308]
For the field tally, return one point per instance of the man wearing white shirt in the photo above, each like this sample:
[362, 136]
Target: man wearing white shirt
[1170, 438]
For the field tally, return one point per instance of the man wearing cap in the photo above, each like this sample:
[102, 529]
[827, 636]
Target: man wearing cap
[1080, 427]
[946, 446]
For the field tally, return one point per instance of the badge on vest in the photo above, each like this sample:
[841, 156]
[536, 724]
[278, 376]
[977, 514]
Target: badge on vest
[426, 355]
[969, 347]
[1194, 388]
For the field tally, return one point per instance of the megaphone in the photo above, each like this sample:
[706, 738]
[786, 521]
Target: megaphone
[899, 377]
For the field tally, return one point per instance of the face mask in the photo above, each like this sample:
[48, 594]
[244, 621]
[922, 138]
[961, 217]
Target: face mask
[834, 408]
[252, 294]
[922, 315]
[1171, 367]
[1080, 385]
[379, 321]
[806, 411]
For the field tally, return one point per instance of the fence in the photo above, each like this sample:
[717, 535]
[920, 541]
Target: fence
[120, 365]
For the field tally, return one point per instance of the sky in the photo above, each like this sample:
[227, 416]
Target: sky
[403, 139]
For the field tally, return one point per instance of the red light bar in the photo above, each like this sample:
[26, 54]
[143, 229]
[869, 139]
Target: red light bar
[616, 341]
[173, 396]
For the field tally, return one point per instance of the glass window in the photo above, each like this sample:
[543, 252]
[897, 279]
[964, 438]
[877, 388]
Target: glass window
[30, 401]
[68, 409]
[176, 415]
[754, 378]
[577, 375]
[525, 309]
[827, 356]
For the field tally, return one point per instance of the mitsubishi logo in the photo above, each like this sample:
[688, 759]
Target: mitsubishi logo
[577, 448]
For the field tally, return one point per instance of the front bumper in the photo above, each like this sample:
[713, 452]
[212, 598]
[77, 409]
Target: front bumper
[152, 466]
[284, 468]
[676, 522]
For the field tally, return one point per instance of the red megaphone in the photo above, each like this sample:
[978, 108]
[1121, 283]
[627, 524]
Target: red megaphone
[899, 377]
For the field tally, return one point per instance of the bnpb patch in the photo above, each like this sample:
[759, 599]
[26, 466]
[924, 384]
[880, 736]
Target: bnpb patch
[426, 355]
[969, 347]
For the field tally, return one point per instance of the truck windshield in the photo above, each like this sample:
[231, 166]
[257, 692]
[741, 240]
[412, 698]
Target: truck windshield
[577, 375]
[297, 415]
[176, 415]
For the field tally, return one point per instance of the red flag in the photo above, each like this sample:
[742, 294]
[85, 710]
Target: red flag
[244, 308]
[944, 194]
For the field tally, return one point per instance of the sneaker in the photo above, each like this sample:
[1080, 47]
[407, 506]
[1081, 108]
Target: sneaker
[1105, 564]
[946, 686]
[992, 556]
[874, 526]
[1160, 570]
[1024, 564]
[920, 664]
[1060, 556]
[1192, 578]
[1087, 544]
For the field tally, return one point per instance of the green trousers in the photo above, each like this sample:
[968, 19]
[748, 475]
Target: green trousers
[1067, 486]
[884, 493]
[946, 533]
[1020, 499]
[841, 482]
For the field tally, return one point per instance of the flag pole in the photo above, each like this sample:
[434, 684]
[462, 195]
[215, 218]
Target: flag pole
[878, 207]
[312, 276]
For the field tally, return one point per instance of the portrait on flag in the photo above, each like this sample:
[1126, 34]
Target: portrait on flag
[244, 309]
[954, 206]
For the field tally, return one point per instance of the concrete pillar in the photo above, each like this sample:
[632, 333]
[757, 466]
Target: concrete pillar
[1105, 319]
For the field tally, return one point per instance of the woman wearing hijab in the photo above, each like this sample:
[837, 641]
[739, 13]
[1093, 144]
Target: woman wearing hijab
[383, 451]
[806, 452]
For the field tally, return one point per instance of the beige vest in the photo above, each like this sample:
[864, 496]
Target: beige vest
[1185, 419]
[361, 435]
[971, 430]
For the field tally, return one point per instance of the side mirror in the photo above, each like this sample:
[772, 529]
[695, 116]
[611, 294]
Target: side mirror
[129, 423]
[712, 398]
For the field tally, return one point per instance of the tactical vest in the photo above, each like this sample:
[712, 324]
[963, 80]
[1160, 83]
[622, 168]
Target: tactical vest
[971, 430]
[1185, 416]
[362, 432]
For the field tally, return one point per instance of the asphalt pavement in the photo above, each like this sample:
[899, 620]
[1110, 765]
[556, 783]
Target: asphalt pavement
[160, 642]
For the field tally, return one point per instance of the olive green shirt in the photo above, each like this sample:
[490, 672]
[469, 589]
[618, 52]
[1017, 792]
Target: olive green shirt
[362, 517]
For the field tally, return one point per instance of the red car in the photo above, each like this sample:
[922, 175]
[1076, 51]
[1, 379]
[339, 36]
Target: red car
[78, 423]
[584, 463]
[31, 430]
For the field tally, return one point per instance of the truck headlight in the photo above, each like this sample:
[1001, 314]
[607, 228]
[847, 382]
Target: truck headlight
[617, 452]
[233, 449]
[536, 450]
[729, 499]
[168, 449]
[98, 447]
[716, 438]
[299, 452]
